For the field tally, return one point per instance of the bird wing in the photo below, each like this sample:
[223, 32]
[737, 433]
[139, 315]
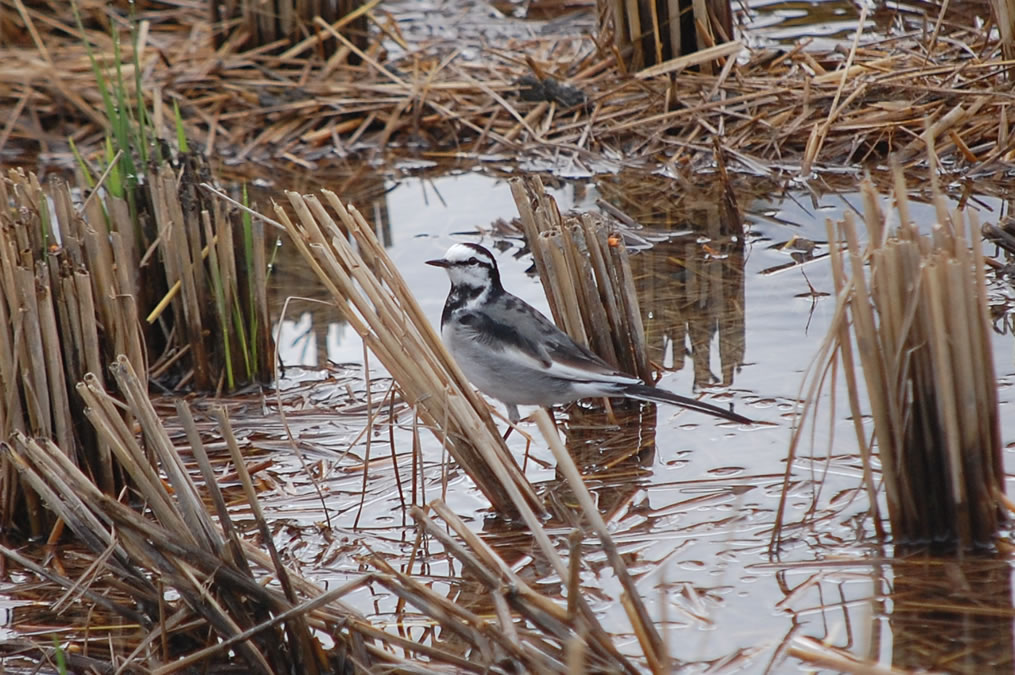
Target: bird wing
[569, 356]
[537, 343]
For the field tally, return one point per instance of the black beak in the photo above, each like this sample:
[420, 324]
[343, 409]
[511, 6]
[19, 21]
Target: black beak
[440, 262]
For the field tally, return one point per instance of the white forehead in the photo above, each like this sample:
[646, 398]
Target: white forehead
[460, 253]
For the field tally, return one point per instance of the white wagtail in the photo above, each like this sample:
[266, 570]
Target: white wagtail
[515, 354]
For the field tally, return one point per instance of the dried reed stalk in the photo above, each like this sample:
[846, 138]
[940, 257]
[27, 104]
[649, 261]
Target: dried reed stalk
[52, 310]
[178, 573]
[652, 33]
[73, 285]
[372, 295]
[311, 106]
[821, 655]
[183, 269]
[177, 543]
[922, 334]
[586, 277]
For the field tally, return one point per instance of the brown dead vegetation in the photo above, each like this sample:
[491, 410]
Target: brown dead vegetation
[558, 97]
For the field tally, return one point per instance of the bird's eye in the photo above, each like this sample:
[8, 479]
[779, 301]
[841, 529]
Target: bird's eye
[473, 261]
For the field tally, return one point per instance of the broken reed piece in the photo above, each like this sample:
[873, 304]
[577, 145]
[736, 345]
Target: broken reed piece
[74, 287]
[656, 33]
[917, 308]
[214, 267]
[586, 276]
[64, 301]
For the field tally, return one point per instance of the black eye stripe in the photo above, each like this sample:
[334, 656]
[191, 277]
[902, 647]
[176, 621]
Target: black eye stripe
[473, 261]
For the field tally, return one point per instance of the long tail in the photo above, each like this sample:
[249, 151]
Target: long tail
[657, 395]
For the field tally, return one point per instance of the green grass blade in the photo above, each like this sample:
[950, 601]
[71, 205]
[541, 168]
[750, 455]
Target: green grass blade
[221, 311]
[100, 79]
[146, 135]
[246, 348]
[125, 133]
[45, 225]
[248, 259]
[82, 164]
[181, 134]
[114, 182]
[59, 657]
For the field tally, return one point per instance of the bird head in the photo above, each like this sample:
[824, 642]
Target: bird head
[469, 266]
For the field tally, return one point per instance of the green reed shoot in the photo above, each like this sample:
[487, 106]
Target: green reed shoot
[86, 171]
[249, 351]
[120, 120]
[181, 134]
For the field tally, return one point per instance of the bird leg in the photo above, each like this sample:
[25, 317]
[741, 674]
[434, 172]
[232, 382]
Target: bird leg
[512, 427]
[513, 419]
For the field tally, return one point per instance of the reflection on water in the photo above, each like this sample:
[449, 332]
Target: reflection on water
[952, 616]
[690, 284]
[614, 449]
[690, 502]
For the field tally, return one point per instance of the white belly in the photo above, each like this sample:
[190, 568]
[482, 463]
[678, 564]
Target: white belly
[496, 375]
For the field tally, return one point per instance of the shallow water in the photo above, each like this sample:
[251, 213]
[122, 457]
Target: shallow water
[690, 501]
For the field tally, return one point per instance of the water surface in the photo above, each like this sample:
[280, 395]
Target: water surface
[691, 501]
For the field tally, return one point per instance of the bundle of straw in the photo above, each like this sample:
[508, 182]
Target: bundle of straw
[921, 327]
[648, 33]
[77, 277]
[215, 268]
[175, 543]
[68, 283]
[587, 278]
